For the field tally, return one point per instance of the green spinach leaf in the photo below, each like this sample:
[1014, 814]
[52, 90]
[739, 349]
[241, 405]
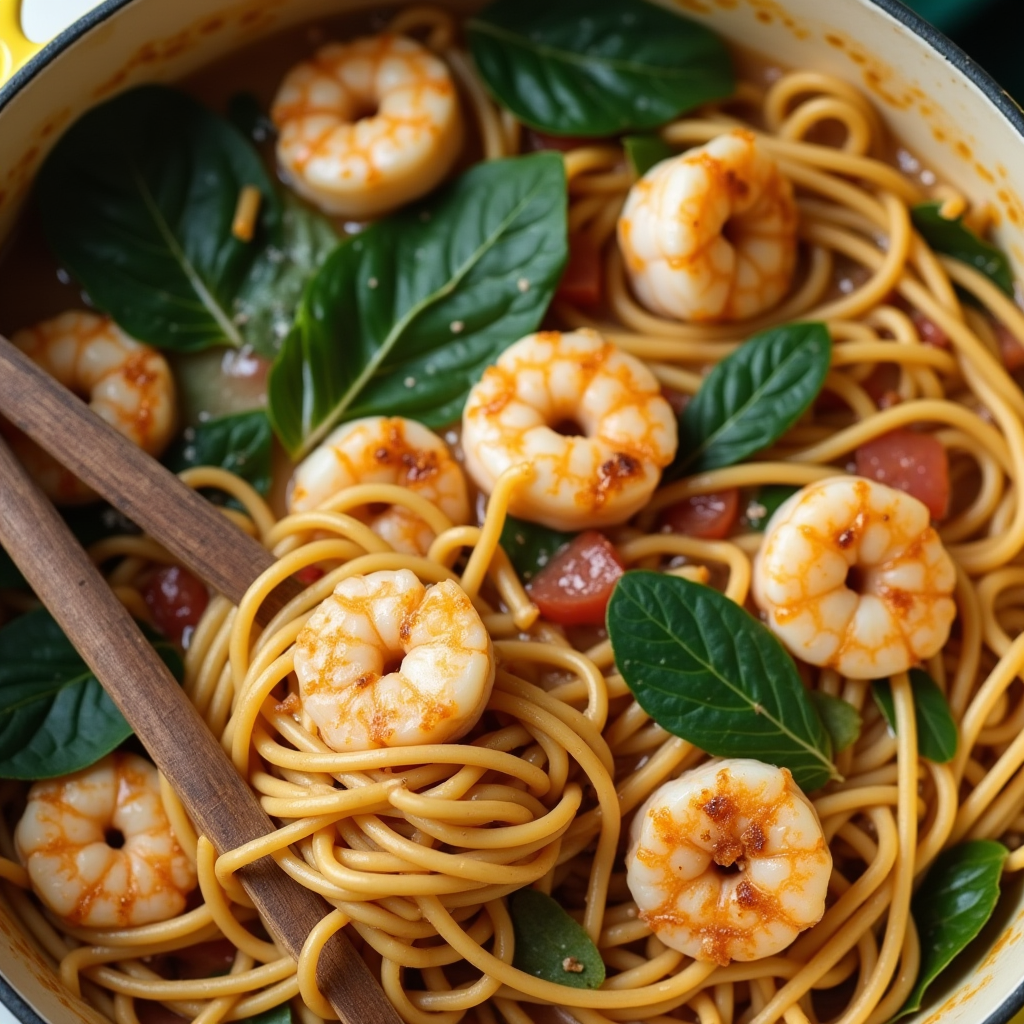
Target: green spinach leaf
[55, 717]
[403, 318]
[752, 397]
[937, 734]
[247, 114]
[706, 670]
[951, 907]
[550, 944]
[281, 1014]
[530, 546]
[137, 201]
[644, 151]
[240, 444]
[596, 67]
[761, 508]
[841, 719]
[265, 307]
[954, 239]
[89, 523]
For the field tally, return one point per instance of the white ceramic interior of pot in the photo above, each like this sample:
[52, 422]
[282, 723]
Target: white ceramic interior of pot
[940, 108]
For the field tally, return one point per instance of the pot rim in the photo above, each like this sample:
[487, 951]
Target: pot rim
[945, 47]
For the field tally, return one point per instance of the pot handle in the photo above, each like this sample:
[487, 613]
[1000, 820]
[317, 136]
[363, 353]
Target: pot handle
[16, 48]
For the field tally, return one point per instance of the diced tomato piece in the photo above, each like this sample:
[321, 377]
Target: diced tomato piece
[574, 587]
[176, 600]
[535, 141]
[309, 574]
[929, 332]
[581, 282]
[1010, 349]
[708, 516]
[679, 400]
[911, 462]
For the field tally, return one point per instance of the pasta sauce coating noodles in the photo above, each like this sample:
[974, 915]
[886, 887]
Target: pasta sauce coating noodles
[549, 773]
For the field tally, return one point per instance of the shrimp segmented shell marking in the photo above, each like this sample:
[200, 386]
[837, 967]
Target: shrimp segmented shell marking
[852, 576]
[128, 384]
[728, 862]
[711, 235]
[386, 450]
[62, 839]
[345, 653]
[545, 380]
[368, 125]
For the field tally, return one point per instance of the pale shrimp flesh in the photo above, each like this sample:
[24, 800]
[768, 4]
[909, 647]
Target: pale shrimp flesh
[728, 862]
[99, 849]
[590, 419]
[852, 576]
[368, 125]
[711, 235]
[387, 662]
[385, 450]
[128, 384]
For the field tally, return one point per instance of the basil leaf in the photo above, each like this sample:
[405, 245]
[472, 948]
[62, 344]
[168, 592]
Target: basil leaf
[89, 523]
[841, 719]
[706, 670]
[530, 546]
[402, 319]
[137, 200]
[596, 67]
[950, 908]
[265, 306]
[55, 717]
[952, 237]
[644, 151]
[937, 733]
[752, 397]
[550, 944]
[240, 444]
[247, 114]
[760, 509]
[280, 1014]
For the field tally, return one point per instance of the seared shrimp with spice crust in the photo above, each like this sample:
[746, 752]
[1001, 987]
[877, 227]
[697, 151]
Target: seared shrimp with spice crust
[728, 862]
[710, 235]
[852, 576]
[387, 662]
[99, 849]
[385, 450]
[368, 125]
[126, 383]
[589, 418]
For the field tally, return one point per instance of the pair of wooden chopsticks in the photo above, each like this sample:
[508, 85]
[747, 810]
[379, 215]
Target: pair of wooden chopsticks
[226, 559]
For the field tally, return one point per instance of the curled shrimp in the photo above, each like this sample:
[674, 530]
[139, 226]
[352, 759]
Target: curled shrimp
[127, 383]
[852, 576]
[710, 235]
[590, 418]
[728, 862]
[387, 662]
[368, 125]
[385, 450]
[67, 840]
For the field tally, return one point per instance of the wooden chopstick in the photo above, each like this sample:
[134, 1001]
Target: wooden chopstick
[217, 798]
[198, 535]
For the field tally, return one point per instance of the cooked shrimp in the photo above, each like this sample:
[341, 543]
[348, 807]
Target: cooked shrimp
[128, 384]
[66, 840]
[852, 576]
[385, 450]
[710, 235]
[589, 417]
[728, 862]
[345, 660]
[361, 166]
